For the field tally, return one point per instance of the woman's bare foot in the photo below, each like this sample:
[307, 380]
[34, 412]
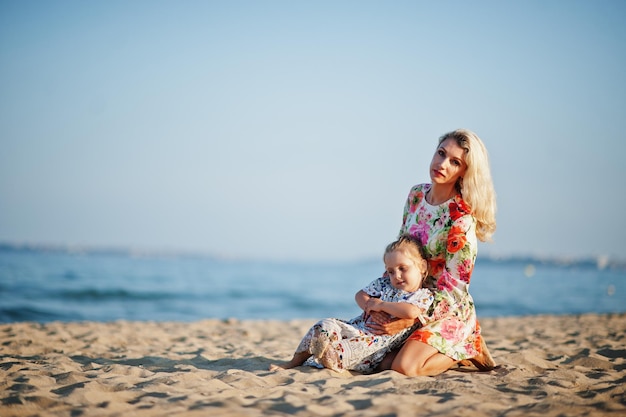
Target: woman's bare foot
[484, 361]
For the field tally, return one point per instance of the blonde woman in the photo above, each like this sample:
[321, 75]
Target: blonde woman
[447, 217]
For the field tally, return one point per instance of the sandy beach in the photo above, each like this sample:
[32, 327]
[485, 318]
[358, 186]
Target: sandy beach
[548, 366]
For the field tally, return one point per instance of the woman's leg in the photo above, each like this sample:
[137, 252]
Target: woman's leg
[419, 359]
[387, 361]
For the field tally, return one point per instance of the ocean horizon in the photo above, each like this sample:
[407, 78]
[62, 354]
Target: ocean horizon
[45, 283]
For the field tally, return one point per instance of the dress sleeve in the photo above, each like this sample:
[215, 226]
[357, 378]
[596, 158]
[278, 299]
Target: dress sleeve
[405, 214]
[421, 298]
[375, 288]
[410, 206]
[460, 254]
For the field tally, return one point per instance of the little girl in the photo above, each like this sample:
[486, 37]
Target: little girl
[348, 345]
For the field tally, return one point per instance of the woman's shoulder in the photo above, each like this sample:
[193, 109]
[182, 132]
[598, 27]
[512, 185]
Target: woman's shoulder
[418, 190]
[420, 187]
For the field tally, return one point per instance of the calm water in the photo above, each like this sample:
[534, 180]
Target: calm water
[40, 285]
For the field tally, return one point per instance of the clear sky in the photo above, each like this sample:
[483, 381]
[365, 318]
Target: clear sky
[294, 130]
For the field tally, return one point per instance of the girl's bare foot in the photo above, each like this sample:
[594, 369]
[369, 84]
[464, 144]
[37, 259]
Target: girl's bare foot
[278, 367]
[298, 359]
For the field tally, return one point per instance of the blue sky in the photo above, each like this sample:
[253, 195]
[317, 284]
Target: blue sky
[294, 130]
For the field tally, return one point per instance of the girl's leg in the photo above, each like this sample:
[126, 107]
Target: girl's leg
[419, 359]
[327, 336]
[303, 351]
[316, 342]
[298, 359]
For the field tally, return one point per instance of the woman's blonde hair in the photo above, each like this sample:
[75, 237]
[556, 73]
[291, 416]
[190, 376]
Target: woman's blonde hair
[476, 186]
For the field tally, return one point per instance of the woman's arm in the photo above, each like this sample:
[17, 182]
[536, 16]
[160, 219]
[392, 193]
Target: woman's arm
[381, 323]
[460, 255]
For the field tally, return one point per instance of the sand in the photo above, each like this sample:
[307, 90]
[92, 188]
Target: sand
[548, 366]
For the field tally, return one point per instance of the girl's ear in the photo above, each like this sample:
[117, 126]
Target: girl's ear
[424, 268]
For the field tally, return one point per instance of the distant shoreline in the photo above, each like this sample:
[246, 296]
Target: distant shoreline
[598, 262]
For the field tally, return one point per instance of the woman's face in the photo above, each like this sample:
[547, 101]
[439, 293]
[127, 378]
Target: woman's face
[448, 163]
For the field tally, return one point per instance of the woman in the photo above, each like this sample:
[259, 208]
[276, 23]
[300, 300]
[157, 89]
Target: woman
[447, 217]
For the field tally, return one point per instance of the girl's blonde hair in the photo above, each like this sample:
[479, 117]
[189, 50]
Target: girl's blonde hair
[476, 186]
[411, 246]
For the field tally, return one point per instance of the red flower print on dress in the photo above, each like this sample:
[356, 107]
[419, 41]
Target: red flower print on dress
[458, 208]
[446, 281]
[455, 213]
[436, 266]
[456, 239]
[421, 335]
[465, 269]
[477, 344]
[452, 330]
[414, 201]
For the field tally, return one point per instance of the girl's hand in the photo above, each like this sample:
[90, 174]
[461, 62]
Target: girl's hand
[373, 304]
[370, 307]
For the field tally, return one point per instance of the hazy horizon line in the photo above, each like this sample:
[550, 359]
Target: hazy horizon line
[599, 261]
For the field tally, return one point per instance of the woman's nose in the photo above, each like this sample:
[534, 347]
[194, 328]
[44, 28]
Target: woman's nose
[441, 164]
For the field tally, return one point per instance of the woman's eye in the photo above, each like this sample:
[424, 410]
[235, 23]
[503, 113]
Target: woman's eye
[457, 163]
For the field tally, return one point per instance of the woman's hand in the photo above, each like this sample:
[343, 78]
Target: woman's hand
[381, 323]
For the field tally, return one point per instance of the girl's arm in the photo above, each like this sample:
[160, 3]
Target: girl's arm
[361, 299]
[397, 309]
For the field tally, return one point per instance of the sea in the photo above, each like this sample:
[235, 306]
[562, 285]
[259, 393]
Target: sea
[43, 284]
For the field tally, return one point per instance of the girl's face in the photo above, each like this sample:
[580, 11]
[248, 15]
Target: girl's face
[448, 163]
[403, 272]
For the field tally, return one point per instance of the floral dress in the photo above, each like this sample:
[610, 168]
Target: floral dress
[348, 345]
[448, 235]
